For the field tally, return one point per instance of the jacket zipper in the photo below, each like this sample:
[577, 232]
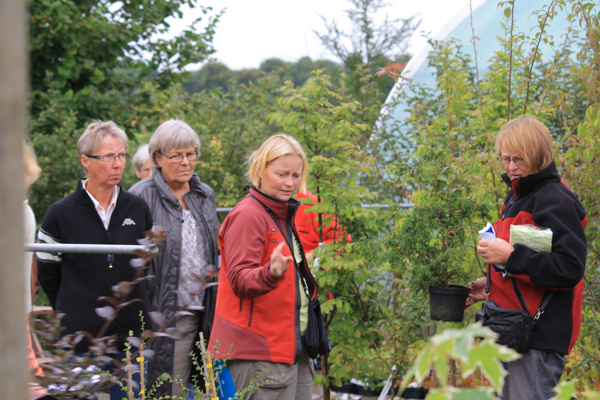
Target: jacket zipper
[251, 312]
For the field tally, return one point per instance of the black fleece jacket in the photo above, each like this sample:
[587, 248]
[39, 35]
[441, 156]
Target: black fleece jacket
[543, 200]
[74, 282]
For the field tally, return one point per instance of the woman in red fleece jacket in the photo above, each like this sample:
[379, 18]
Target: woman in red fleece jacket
[536, 196]
[261, 311]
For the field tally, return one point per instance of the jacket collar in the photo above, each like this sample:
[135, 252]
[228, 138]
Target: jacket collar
[166, 194]
[83, 195]
[281, 209]
[524, 186]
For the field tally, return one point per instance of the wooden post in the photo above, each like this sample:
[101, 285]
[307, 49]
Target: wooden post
[13, 92]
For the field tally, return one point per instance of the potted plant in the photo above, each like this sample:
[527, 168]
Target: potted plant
[433, 243]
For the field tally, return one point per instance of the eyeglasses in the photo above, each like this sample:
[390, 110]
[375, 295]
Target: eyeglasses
[517, 160]
[177, 158]
[110, 158]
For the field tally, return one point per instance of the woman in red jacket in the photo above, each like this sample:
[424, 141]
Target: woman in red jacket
[537, 197]
[261, 311]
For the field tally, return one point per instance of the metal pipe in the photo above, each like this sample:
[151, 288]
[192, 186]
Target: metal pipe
[85, 248]
[402, 205]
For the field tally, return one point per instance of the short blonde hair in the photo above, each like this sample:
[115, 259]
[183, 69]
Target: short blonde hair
[140, 157]
[530, 139]
[273, 148]
[32, 169]
[91, 139]
[172, 134]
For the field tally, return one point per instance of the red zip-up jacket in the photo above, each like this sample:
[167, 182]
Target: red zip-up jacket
[543, 200]
[256, 312]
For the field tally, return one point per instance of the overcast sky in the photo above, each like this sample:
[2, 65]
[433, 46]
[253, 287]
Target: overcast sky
[252, 31]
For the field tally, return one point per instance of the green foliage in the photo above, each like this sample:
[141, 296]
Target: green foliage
[471, 352]
[90, 60]
[230, 124]
[373, 41]
[364, 316]
[215, 75]
[93, 52]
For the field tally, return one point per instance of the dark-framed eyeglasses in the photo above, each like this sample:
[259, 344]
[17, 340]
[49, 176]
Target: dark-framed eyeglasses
[110, 158]
[177, 158]
[507, 160]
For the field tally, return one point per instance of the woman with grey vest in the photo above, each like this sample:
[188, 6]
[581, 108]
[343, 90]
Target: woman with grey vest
[185, 207]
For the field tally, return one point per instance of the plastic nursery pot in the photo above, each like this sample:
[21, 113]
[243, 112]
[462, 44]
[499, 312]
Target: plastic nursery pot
[447, 303]
[414, 393]
[347, 387]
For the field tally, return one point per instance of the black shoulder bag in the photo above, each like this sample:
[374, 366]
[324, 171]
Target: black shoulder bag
[514, 327]
[316, 340]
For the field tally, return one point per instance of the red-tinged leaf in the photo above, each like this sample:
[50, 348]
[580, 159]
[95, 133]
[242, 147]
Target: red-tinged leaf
[157, 317]
[110, 300]
[122, 289]
[148, 353]
[139, 253]
[105, 312]
[137, 262]
[134, 341]
[146, 334]
[183, 313]
[173, 333]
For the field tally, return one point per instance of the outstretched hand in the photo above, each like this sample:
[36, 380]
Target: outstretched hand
[279, 263]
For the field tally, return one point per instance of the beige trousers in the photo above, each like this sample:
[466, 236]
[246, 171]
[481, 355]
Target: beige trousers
[182, 362]
[287, 382]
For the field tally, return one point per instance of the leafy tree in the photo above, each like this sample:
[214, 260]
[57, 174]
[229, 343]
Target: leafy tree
[88, 61]
[217, 75]
[213, 75]
[91, 53]
[368, 43]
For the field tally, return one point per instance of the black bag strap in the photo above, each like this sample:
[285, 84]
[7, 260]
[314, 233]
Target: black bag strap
[545, 300]
[287, 240]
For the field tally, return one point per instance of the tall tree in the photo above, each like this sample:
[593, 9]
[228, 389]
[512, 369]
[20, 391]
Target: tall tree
[91, 53]
[89, 60]
[368, 41]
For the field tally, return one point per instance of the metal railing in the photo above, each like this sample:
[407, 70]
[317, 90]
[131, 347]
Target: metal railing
[131, 249]
[87, 248]
[401, 205]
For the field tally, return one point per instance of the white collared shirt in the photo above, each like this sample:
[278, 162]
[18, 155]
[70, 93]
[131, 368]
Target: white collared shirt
[104, 214]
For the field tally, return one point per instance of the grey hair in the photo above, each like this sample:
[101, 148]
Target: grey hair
[140, 157]
[91, 140]
[172, 134]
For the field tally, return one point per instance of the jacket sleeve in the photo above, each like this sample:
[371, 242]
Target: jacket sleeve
[49, 264]
[244, 243]
[564, 266]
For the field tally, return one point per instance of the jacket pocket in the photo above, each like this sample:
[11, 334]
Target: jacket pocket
[250, 313]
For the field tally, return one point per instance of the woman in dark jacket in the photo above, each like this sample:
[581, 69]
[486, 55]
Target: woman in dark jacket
[537, 197]
[185, 207]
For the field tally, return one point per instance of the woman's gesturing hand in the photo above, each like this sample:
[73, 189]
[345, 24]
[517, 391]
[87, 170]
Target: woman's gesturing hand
[279, 263]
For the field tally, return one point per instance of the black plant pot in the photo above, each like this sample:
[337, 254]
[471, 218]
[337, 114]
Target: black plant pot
[415, 393]
[447, 303]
